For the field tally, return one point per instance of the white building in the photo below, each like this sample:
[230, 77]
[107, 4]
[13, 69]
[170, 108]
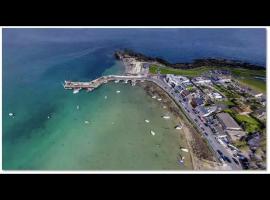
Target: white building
[201, 80]
[206, 111]
[215, 95]
[176, 80]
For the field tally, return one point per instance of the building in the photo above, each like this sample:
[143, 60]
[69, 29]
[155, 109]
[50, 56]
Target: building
[255, 93]
[196, 102]
[184, 93]
[176, 80]
[235, 135]
[201, 80]
[206, 111]
[215, 95]
[227, 122]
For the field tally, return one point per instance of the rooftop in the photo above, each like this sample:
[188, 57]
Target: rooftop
[228, 121]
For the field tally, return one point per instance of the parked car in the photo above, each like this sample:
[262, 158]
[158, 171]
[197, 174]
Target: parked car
[227, 159]
[236, 161]
[219, 152]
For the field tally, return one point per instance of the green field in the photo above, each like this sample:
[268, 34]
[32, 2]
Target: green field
[247, 75]
[250, 124]
[185, 72]
[254, 84]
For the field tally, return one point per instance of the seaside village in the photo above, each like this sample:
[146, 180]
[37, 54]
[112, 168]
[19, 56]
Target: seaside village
[225, 111]
[230, 116]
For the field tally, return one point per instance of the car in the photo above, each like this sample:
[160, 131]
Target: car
[227, 159]
[202, 128]
[205, 133]
[219, 152]
[236, 161]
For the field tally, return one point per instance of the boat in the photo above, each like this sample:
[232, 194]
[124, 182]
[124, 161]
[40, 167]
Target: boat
[105, 97]
[178, 127]
[78, 107]
[164, 107]
[183, 149]
[86, 122]
[159, 99]
[166, 117]
[75, 91]
[118, 91]
[11, 114]
[153, 97]
[153, 133]
[89, 89]
[147, 121]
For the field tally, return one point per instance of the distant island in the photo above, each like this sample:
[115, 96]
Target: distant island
[196, 63]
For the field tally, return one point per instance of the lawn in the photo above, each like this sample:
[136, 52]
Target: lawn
[255, 84]
[250, 123]
[185, 72]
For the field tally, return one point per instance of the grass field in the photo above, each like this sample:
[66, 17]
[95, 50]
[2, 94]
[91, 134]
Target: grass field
[247, 75]
[255, 84]
[250, 124]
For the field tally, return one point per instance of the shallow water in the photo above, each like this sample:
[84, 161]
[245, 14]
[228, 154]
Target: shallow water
[36, 61]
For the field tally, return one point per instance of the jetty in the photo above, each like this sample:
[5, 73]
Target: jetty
[91, 85]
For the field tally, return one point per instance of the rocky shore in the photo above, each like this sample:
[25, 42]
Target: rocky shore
[194, 64]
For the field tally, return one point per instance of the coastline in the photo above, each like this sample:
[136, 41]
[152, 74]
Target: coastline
[201, 156]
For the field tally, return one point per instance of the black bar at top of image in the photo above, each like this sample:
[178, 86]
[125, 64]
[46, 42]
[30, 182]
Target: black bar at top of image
[136, 13]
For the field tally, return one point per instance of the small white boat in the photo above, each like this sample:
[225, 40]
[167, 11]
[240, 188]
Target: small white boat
[75, 91]
[118, 91]
[153, 133]
[159, 99]
[86, 122]
[153, 97]
[147, 121]
[166, 117]
[105, 97]
[178, 127]
[11, 114]
[164, 107]
[78, 107]
[49, 117]
[185, 150]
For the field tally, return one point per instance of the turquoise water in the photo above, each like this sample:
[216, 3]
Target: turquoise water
[36, 61]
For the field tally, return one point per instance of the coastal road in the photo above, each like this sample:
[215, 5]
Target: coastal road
[209, 136]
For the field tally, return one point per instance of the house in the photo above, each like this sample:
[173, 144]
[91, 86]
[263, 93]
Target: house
[215, 95]
[184, 93]
[227, 122]
[235, 135]
[196, 102]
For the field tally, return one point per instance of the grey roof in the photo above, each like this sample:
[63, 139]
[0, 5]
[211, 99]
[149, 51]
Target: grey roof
[228, 121]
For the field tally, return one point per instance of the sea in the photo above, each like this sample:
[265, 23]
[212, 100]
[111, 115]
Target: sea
[54, 129]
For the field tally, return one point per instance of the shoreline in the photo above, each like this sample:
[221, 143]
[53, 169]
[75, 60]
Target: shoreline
[202, 157]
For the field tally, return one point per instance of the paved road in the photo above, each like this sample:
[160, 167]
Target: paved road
[210, 137]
